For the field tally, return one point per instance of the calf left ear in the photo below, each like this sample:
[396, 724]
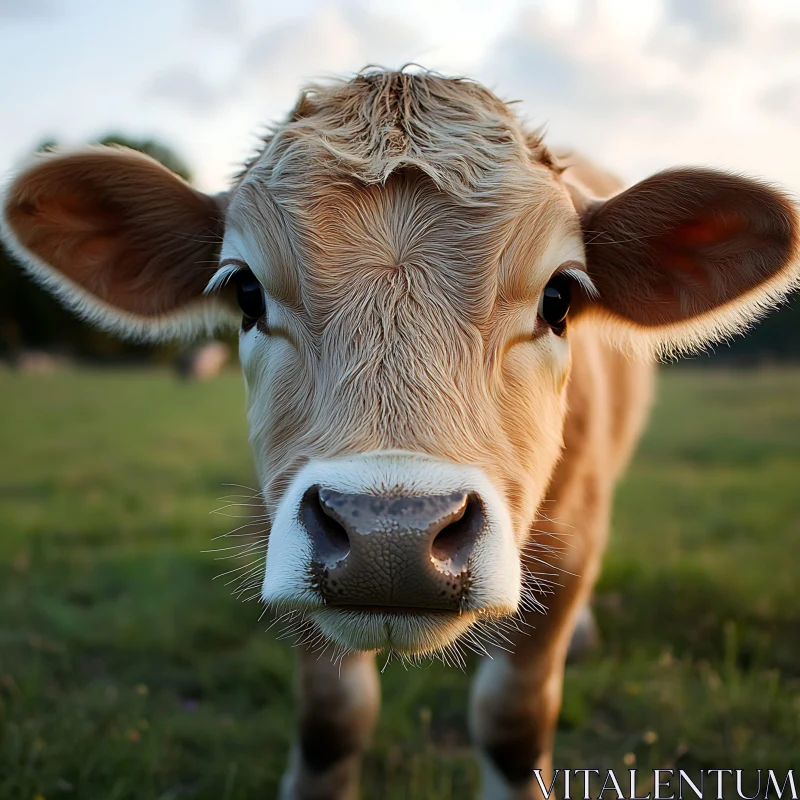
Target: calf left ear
[120, 240]
[690, 256]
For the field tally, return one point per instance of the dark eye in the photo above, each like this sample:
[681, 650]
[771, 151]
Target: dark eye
[554, 303]
[250, 297]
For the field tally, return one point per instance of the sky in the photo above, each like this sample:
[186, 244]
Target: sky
[637, 85]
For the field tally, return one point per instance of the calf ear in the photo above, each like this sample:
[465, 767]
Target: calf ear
[690, 256]
[119, 239]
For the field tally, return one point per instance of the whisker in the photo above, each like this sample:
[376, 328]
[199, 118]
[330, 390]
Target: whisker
[235, 547]
[235, 569]
[235, 531]
[238, 505]
[241, 486]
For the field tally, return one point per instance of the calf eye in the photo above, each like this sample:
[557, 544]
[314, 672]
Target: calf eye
[554, 303]
[250, 297]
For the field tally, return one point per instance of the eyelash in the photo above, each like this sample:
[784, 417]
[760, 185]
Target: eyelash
[249, 292]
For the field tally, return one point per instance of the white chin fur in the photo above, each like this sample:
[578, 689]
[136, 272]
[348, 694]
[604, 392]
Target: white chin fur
[401, 633]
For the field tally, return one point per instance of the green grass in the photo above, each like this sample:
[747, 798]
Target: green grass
[126, 672]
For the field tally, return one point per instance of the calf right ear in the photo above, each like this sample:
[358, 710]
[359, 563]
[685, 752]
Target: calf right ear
[119, 239]
[690, 256]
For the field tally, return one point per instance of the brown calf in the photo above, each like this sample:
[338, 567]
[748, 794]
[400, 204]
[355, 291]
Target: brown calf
[447, 337]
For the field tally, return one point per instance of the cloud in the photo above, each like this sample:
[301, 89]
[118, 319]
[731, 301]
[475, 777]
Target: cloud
[707, 20]
[273, 64]
[245, 81]
[692, 30]
[581, 77]
[636, 86]
[333, 41]
[185, 87]
[279, 57]
[218, 17]
[20, 10]
[694, 84]
[783, 101]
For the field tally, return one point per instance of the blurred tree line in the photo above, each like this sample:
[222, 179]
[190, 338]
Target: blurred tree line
[30, 319]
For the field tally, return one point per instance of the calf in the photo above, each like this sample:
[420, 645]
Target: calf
[447, 337]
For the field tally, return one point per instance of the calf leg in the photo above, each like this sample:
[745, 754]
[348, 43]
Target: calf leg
[516, 695]
[514, 709]
[339, 704]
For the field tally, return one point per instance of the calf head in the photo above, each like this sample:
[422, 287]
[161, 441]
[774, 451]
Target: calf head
[406, 265]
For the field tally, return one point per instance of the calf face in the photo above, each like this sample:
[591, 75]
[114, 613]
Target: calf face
[405, 397]
[408, 263]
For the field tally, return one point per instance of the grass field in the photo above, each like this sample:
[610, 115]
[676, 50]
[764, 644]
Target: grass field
[126, 672]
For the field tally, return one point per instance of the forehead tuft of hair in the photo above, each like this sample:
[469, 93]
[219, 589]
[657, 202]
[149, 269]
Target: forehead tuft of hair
[452, 129]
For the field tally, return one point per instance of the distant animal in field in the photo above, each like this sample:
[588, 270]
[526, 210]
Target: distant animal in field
[38, 362]
[447, 333]
[203, 361]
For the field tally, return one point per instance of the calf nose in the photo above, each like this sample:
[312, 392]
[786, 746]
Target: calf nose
[397, 551]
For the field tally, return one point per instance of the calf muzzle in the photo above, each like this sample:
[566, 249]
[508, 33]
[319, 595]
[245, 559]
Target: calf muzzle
[374, 552]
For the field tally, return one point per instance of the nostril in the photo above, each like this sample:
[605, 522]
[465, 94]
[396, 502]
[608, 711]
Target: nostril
[454, 544]
[330, 539]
